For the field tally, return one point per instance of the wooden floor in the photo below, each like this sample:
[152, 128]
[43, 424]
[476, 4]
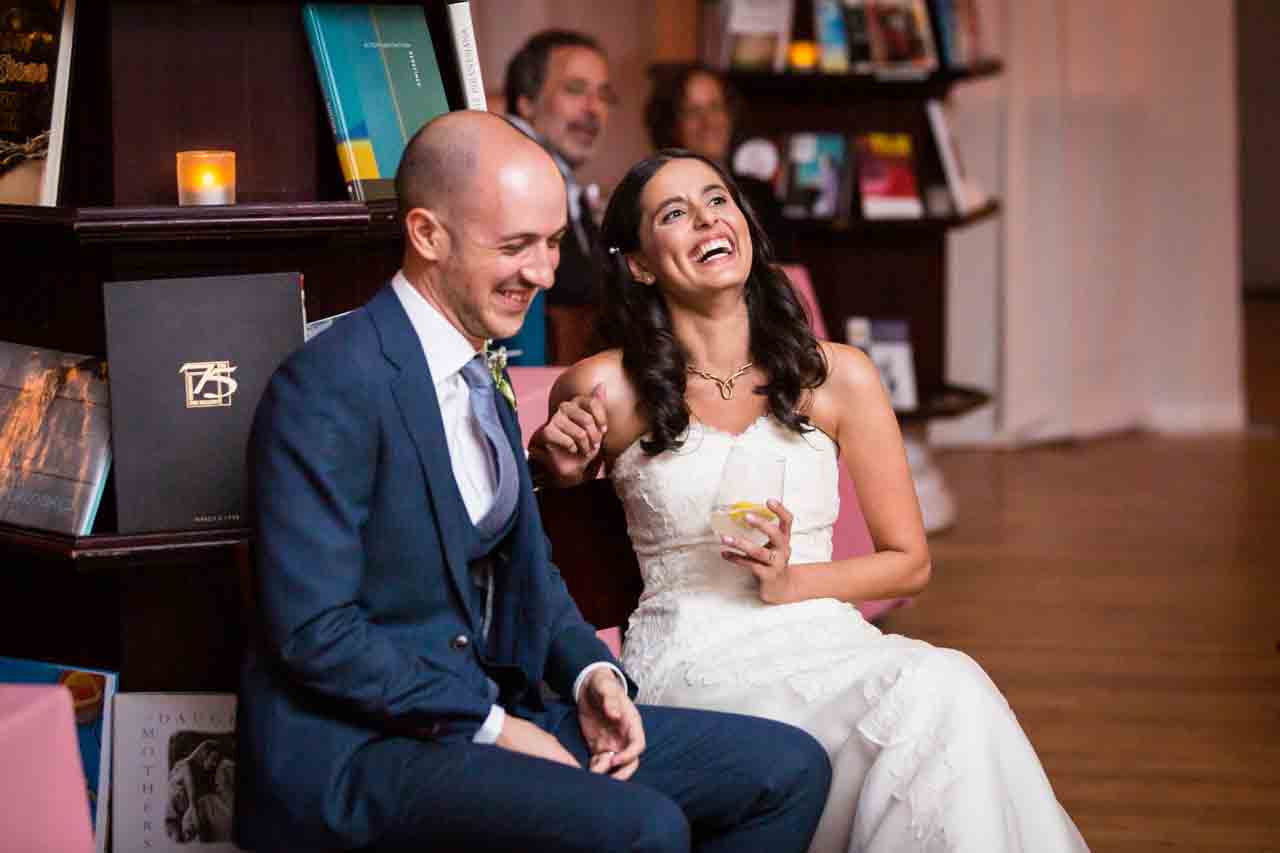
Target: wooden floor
[1125, 594]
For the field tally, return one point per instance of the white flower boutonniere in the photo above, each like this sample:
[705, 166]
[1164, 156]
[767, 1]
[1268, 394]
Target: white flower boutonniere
[496, 358]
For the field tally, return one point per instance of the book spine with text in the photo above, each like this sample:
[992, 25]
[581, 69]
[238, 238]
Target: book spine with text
[468, 57]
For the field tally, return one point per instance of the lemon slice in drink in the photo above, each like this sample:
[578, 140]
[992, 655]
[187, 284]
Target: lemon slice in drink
[738, 511]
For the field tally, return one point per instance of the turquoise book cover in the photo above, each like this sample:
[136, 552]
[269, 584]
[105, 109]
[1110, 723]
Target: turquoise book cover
[381, 82]
[91, 694]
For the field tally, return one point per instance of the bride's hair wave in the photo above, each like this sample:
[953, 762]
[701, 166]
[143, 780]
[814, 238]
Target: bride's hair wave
[635, 318]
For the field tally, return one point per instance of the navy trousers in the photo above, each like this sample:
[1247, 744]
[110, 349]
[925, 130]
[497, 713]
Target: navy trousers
[706, 782]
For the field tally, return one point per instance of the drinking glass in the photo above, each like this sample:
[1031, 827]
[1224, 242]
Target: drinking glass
[749, 479]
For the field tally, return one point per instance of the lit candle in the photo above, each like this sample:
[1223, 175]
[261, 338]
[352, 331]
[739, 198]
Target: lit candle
[206, 177]
[802, 55]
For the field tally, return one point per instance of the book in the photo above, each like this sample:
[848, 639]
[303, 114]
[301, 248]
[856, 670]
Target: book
[91, 694]
[173, 775]
[888, 343]
[816, 165]
[756, 34]
[858, 35]
[380, 77]
[467, 55]
[887, 176]
[55, 438]
[189, 359]
[35, 76]
[832, 37]
[902, 37]
[966, 197]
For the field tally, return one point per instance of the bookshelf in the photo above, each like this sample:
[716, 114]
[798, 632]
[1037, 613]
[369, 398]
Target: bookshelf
[873, 268]
[150, 78]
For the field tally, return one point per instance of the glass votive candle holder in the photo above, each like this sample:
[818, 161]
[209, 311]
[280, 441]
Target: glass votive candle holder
[206, 177]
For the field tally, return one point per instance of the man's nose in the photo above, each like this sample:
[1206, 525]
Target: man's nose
[541, 269]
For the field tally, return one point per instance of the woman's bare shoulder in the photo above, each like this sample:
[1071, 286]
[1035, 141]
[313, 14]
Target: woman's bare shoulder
[852, 386]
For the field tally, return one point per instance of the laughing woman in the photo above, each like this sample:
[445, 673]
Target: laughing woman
[710, 350]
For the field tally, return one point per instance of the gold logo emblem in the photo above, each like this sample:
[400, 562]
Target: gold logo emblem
[209, 383]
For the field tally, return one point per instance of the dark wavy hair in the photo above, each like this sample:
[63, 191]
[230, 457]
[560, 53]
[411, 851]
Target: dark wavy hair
[527, 70]
[662, 111]
[635, 318]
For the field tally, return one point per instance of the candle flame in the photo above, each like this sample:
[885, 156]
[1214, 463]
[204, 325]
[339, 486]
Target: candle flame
[208, 178]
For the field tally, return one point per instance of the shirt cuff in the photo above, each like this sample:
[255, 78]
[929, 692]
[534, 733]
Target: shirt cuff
[588, 669]
[492, 727]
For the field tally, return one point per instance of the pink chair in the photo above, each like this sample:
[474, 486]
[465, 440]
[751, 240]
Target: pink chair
[42, 786]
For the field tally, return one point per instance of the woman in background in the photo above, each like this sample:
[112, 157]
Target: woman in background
[696, 108]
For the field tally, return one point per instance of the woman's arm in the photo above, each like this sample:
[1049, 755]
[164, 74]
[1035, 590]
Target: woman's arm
[590, 420]
[853, 407]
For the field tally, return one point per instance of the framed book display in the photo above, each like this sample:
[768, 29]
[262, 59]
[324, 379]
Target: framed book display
[189, 359]
[35, 75]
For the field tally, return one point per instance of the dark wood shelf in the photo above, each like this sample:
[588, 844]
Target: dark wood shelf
[817, 86]
[811, 228]
[298, 220]
[103, 549]
[949, 402]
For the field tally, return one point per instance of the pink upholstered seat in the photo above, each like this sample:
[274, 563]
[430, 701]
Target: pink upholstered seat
[42, 787]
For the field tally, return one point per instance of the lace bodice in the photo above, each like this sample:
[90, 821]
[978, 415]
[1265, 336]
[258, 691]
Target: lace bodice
[693, 597]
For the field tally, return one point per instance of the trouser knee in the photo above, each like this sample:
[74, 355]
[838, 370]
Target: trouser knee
[661, 827]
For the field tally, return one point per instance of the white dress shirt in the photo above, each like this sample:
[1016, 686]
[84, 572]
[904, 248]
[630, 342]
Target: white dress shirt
[447, 351]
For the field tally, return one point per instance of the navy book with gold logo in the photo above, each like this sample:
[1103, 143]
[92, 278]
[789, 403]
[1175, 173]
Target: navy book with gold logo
[188, 360]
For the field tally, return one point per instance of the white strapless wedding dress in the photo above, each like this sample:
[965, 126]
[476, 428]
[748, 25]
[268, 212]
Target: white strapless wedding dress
[926, 753]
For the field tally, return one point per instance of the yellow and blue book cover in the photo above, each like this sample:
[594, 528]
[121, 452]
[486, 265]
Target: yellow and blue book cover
[381, 82]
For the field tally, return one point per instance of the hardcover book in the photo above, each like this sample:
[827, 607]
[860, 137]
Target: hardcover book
[756, 34]
[55, 438]
[35, 76]
[91, 694]
[380, 77]
[174, 776]
[189, 359]
[888, 343]
[887, 177]
[966, 196]
[902, 37]
[467, 55]
[815, 176]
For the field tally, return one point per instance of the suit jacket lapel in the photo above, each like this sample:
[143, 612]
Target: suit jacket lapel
[415, 394]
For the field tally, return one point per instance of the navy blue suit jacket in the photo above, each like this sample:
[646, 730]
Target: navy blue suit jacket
[364, 586]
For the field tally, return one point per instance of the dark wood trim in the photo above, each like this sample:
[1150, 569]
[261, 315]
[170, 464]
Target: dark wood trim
[950, 401]
[872, 228]
[113, 549]
[294, 220]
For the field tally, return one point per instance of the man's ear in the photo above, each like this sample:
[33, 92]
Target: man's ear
[426, 234]
[638, 271]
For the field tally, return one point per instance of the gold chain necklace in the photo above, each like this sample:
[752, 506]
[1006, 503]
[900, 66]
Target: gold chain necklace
[725, 385]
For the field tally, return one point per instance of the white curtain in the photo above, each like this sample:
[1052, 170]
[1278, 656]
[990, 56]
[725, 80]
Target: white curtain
[1107, 294]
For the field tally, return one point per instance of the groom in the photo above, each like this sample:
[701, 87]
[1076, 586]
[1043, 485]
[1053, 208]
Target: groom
[410, 607]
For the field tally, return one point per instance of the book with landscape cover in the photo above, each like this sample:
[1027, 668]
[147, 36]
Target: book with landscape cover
[35, 76]
[380, 76]
[189, 359]
[887, 177]
[173, 773]
[55, 438]
[91, 694]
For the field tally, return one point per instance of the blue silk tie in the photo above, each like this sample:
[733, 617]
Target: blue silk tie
[484, 404]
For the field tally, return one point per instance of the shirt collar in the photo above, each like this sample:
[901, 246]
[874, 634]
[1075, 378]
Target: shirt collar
[445, 348]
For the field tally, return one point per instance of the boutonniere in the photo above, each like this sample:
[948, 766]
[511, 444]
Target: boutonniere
[496, 357]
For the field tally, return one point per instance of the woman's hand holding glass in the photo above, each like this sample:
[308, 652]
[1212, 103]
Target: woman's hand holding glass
[753, 524]
[567, 447]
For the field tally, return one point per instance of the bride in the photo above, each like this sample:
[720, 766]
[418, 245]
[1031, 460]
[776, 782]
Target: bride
[711, 351]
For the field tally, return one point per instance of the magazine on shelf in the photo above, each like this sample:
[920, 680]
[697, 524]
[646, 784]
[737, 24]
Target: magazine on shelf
[91, 694]
[887, 177]
[755, 34]
[189, 359]
[380, 77]
[888, 343]
[173, 774]
[55, 438]
[35, 77]
[832, 36]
